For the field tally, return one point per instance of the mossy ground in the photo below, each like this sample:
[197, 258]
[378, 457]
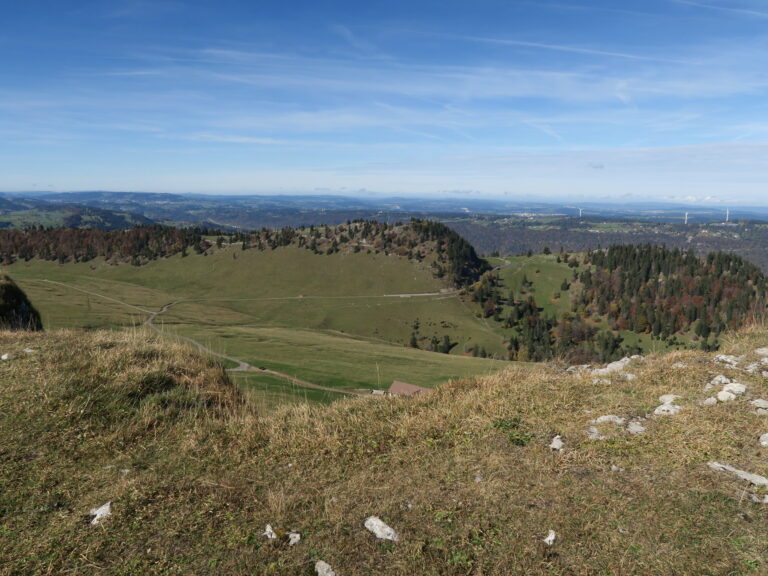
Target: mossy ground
[194, 471]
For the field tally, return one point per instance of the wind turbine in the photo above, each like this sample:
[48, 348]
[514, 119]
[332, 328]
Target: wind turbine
[727, 214]
[686, 218]
[581, 211]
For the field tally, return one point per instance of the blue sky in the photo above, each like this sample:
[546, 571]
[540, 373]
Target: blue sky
[630, 101]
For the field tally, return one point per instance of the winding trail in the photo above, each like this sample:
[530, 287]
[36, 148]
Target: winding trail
[242, 365]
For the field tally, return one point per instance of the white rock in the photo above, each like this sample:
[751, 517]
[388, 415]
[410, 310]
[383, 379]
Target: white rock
[5, 356]
[679, 365]
[760, 403]
[762, 412]
[764, 374]
[757, 500]
[748, 476]
[478, 479]
[601, 381]
[593, 433]
[269, 533]
[764, 361]
[612, 368]
[293, 538]
[380, 529]
[709, 401]
[579, 368]
[668, 398]
[728, 359]
[557, 443]
[635, 357]
[609, 418]
[635, 428]
[103, 511]
[629, 377]
[762, 351]
[615, 468]
[725, 396]
[667, 410]
[550, 539]
[752, 368]
[324, 569]
[720, 380]
[764, 440]
[28, 351]
[735, 388]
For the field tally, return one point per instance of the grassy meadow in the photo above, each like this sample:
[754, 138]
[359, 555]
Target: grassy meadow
[194, 472]
[340, 320]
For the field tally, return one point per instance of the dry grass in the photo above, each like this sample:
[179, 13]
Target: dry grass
[464, 474]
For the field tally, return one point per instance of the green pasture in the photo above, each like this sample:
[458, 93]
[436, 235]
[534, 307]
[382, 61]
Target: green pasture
[339, 320]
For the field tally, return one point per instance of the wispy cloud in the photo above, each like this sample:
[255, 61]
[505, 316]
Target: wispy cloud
[719, 7]
[572, 49]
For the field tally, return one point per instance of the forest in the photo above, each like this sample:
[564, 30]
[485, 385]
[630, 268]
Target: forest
[450, 256]
[645, 289]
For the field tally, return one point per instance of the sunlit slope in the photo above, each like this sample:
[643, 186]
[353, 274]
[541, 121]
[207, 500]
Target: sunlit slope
[340, 321]
[193, 471]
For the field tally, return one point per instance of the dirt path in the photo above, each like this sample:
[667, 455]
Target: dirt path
[242, 365]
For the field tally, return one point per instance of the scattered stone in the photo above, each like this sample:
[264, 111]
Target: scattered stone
[98, 514]
[5, 356]
[735, 388]
[668, 406]
[762, 412]
[764, 440]
[719, 380]
[324, 569]
[728, 359]
[667, 410]
[748, 476]
[380, 529]
[635, 428]
[594, 434]
[636, 357]
[679, 365]
[629, 377]
[757, 500]
[760, 403]
[764, 374]
[752, 368]
[579, 368]
[557, 443]
[293, 538]
[478, 479]
[613, 367]
[725, 396]
[609, 418]
[711, 401]
[601, 381]
[615, 468]
[269, 533]
[550, 539]
[762, 351]
[29, 351]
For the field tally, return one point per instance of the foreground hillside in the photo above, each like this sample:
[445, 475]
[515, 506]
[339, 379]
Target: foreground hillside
[465, 475]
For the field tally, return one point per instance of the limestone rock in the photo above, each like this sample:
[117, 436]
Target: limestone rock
[725, 396]
[375, 525]
[98, 514]
[324, 569]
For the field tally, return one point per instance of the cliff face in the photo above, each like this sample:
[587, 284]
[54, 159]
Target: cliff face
[16, 311]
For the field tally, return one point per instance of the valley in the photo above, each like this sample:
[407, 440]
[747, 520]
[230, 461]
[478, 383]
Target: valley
[340, 321]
